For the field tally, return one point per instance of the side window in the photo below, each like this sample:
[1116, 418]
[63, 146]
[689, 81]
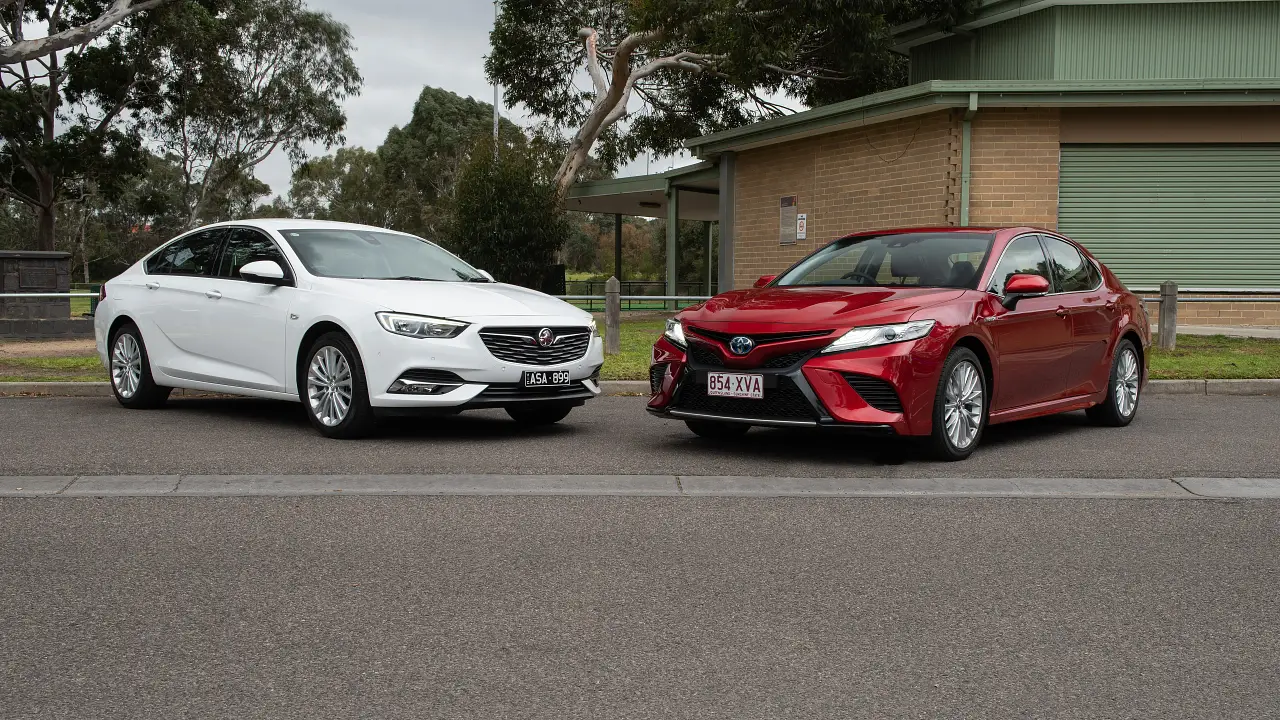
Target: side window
[1071, 272]
[192, 255]
[245, 246]
[1023, 256]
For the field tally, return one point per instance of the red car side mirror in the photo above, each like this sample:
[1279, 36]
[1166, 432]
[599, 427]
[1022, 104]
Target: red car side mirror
[1021, 286]
[764, 280]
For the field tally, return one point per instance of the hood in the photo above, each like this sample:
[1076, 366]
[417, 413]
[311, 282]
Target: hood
[453, 299]
[818, 306]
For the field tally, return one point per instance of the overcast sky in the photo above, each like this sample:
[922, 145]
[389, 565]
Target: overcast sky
[402, 45]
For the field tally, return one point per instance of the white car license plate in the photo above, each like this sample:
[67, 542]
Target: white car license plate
[735, 385]
[546, 378]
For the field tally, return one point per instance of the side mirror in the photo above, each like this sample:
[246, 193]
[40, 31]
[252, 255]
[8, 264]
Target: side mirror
[764, 280]
[486, 274]
[1024, 286]
[267, 272]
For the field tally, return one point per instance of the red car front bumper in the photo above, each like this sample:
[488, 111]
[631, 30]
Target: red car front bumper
[899, 381]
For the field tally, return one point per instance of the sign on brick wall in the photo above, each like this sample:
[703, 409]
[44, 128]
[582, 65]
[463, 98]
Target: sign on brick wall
[787, 221]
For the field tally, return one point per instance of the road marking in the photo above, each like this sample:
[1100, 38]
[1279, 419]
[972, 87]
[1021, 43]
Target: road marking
[633, 486]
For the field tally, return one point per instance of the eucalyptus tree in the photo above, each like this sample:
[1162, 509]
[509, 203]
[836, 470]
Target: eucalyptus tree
[680, 68]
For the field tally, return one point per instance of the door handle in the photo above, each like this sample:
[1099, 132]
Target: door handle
[213, 294]
[153, 286]
[1062, 312]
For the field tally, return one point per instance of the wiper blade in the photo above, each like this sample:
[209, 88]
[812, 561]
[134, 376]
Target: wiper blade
[411, 277]
[481, 279]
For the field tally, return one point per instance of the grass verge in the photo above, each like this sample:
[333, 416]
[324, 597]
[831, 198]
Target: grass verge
[1216, 357]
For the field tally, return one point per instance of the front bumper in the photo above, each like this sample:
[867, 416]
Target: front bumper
[485, 380]
[819, 392]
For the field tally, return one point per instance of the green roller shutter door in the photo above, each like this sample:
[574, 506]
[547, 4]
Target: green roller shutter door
[1206, 216]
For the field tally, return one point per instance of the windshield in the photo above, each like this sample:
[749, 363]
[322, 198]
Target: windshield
[373, 255]
[945, 259]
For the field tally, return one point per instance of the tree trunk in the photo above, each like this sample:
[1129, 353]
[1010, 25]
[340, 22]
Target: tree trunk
[45, 218]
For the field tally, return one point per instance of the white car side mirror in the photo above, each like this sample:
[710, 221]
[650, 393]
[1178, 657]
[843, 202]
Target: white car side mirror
[264, 271]
[486, 274]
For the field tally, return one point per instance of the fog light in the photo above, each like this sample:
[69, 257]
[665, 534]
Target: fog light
[416, 387]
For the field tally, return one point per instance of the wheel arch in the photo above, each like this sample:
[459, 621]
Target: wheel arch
[120, 320]
[979, 348]
[1132, 336]
[318, 328]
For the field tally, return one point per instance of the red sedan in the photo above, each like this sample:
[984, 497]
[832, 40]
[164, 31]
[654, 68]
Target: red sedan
[930, 333]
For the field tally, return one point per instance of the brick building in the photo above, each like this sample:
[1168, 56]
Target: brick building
[1150, 132]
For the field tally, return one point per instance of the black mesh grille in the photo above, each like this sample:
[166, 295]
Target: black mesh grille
[704, 355]
[784, 402]
[656, 373]
[786, 361]
[516, 391]
[431, 376]
[520, 345]
[878, 393]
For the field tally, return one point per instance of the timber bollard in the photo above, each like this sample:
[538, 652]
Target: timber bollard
[1168, 315]
[612, 317]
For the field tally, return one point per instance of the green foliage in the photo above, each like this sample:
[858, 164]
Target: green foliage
[505, 216]
[420, 162]
[815, 51]
[247, 78]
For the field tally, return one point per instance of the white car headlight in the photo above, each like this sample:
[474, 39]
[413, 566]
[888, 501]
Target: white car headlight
[419, 326]
[865, 337]
[675, 333]
[593, 329]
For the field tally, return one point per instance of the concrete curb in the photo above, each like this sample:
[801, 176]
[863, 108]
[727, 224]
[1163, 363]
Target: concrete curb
[641, 387]
[633, 486]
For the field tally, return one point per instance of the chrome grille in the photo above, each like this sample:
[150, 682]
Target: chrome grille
[520, 344]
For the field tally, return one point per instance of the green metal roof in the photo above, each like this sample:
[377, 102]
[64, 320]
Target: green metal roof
[689, 175]
[938, 94]
[918, 32]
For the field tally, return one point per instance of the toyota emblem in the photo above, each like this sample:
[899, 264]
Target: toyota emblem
[741, 345]
[546, 338]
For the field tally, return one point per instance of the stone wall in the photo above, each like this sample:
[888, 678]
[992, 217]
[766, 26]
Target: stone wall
[37, 272]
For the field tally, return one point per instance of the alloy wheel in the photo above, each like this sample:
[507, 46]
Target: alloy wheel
[963, 405]
[126, 365]
[1126, 383]
[329, 386]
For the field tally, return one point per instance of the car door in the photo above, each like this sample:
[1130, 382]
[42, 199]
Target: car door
[1033, 340]
[178, 280]
[246, 321]
[1079, 288]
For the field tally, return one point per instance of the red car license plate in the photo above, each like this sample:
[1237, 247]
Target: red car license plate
[735, 385]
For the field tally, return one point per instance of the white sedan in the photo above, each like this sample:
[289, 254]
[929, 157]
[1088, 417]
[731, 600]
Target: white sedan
[355, 322]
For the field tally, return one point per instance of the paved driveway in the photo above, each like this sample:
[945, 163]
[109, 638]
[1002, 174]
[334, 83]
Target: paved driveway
[1216, 436]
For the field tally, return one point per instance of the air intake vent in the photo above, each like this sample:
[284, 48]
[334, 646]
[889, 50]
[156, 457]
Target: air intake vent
[876, 392]
[656, 373]
[443, 377]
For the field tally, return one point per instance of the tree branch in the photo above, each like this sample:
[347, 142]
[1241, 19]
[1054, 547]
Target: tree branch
[29, 49]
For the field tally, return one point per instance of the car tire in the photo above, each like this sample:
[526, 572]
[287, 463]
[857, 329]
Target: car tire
[331, 377]
[542, 413]
[1121, 404]
[130, 371]
[712, 430]
[960, 407]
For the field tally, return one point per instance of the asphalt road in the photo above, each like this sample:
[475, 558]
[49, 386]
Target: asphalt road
[638, 608]
[1173, 436]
